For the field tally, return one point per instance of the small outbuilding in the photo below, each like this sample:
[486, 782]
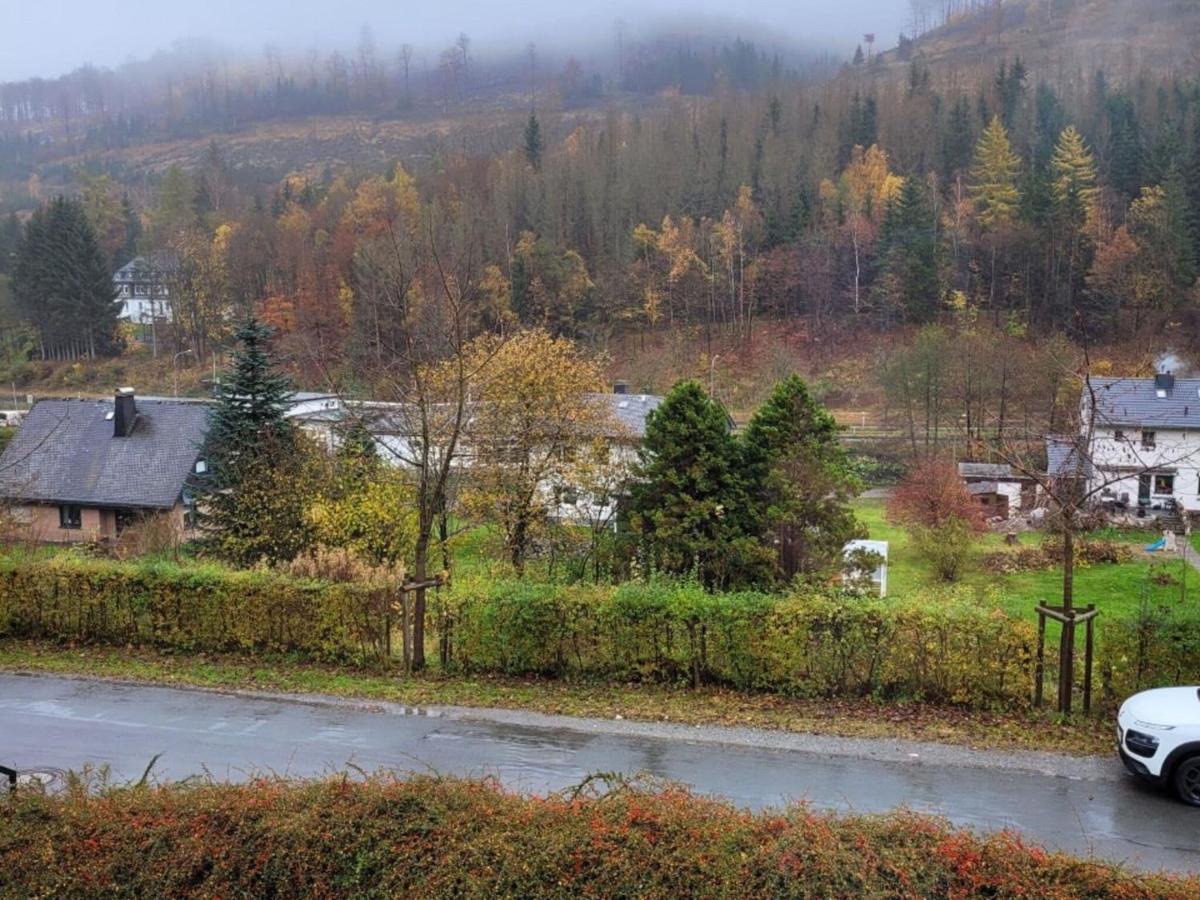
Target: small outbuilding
[877, 576]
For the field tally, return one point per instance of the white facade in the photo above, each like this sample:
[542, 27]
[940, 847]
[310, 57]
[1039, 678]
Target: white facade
[1146, 466]
[1144, 450]
[143, 292]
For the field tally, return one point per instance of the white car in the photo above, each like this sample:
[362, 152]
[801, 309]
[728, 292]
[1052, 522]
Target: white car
[1158, 736]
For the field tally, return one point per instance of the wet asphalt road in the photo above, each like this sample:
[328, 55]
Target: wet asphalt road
[63, 723]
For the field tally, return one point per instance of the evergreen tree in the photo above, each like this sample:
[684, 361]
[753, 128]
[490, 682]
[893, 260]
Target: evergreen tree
[909, 247]
[10, 237]
[132, 234]
[1010, 86]
[1124, 151]
[63, 286]
[994, 177]
[250, 495]
[1192, 182]
[1050, 121]
[957, 141]
[533, 142]
[801, 481]
[688, 502]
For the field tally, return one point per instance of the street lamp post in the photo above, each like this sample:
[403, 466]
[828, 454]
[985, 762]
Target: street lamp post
[175, 371]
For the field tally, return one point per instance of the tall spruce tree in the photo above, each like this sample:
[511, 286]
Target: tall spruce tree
[909, 247]
[689, 501]
[250, 497]
[533, 142]
[62, 284]
[800, 481]
[10, 237]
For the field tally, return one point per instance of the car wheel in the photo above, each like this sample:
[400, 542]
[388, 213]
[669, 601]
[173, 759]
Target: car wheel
[1187, 780]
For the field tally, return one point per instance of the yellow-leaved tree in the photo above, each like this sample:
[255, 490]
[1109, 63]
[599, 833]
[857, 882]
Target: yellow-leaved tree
[534, 409]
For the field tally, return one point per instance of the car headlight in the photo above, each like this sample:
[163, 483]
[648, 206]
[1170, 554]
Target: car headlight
[1152, 726]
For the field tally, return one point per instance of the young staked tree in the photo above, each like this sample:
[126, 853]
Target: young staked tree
[63, 286]
[535, 412]
[421, 264]
[801, 481]
[689, 503]
[252, 495]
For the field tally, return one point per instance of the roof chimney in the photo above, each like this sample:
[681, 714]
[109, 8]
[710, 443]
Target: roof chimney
[125, 412]
[620, 387]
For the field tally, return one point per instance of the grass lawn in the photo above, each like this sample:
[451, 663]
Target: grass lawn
[1118, 590]
[1024, 730]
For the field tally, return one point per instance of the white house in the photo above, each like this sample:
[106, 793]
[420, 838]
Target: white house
[394, 427]
[142, 288]
[1145, 441]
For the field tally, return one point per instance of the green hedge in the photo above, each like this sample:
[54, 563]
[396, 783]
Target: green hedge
[940, 646]
[193, 608]
[447, 838]
[944, 647]
[1160, 646]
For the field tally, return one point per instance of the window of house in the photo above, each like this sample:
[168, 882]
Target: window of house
[70, 517]
[1148, 439]
[1118, 434]
[1164, 484]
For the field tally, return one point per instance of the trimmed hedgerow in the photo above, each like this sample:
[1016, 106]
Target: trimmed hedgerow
[450, 838]
[190, 607]
[945, 647]
[941, 648]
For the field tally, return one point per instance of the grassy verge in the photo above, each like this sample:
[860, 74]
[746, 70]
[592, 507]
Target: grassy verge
[712, 706]
[1118, 590]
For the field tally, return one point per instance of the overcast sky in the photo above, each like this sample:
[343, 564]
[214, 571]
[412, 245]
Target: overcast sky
[49, 37]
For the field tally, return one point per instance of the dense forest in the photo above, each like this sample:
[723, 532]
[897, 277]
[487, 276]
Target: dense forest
[1040, 205]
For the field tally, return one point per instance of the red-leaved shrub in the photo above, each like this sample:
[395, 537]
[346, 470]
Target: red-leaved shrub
[449, 838]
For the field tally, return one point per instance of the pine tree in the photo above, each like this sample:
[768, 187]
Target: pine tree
[688, 501]
[10, 237]
[250, 495]
[800, 481]
[62, 284]
[133, 234]
[1192, 181]
[1124, 146]
[957, 141]
[994, 178]
[909, 247]
[533, 142]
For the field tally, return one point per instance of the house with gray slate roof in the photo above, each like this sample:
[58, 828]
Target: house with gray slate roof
[1145, 442]
[394, 427]
[85, 469]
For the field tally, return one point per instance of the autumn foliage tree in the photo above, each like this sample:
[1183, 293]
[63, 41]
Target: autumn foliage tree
[534, 412]
[933, 504]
